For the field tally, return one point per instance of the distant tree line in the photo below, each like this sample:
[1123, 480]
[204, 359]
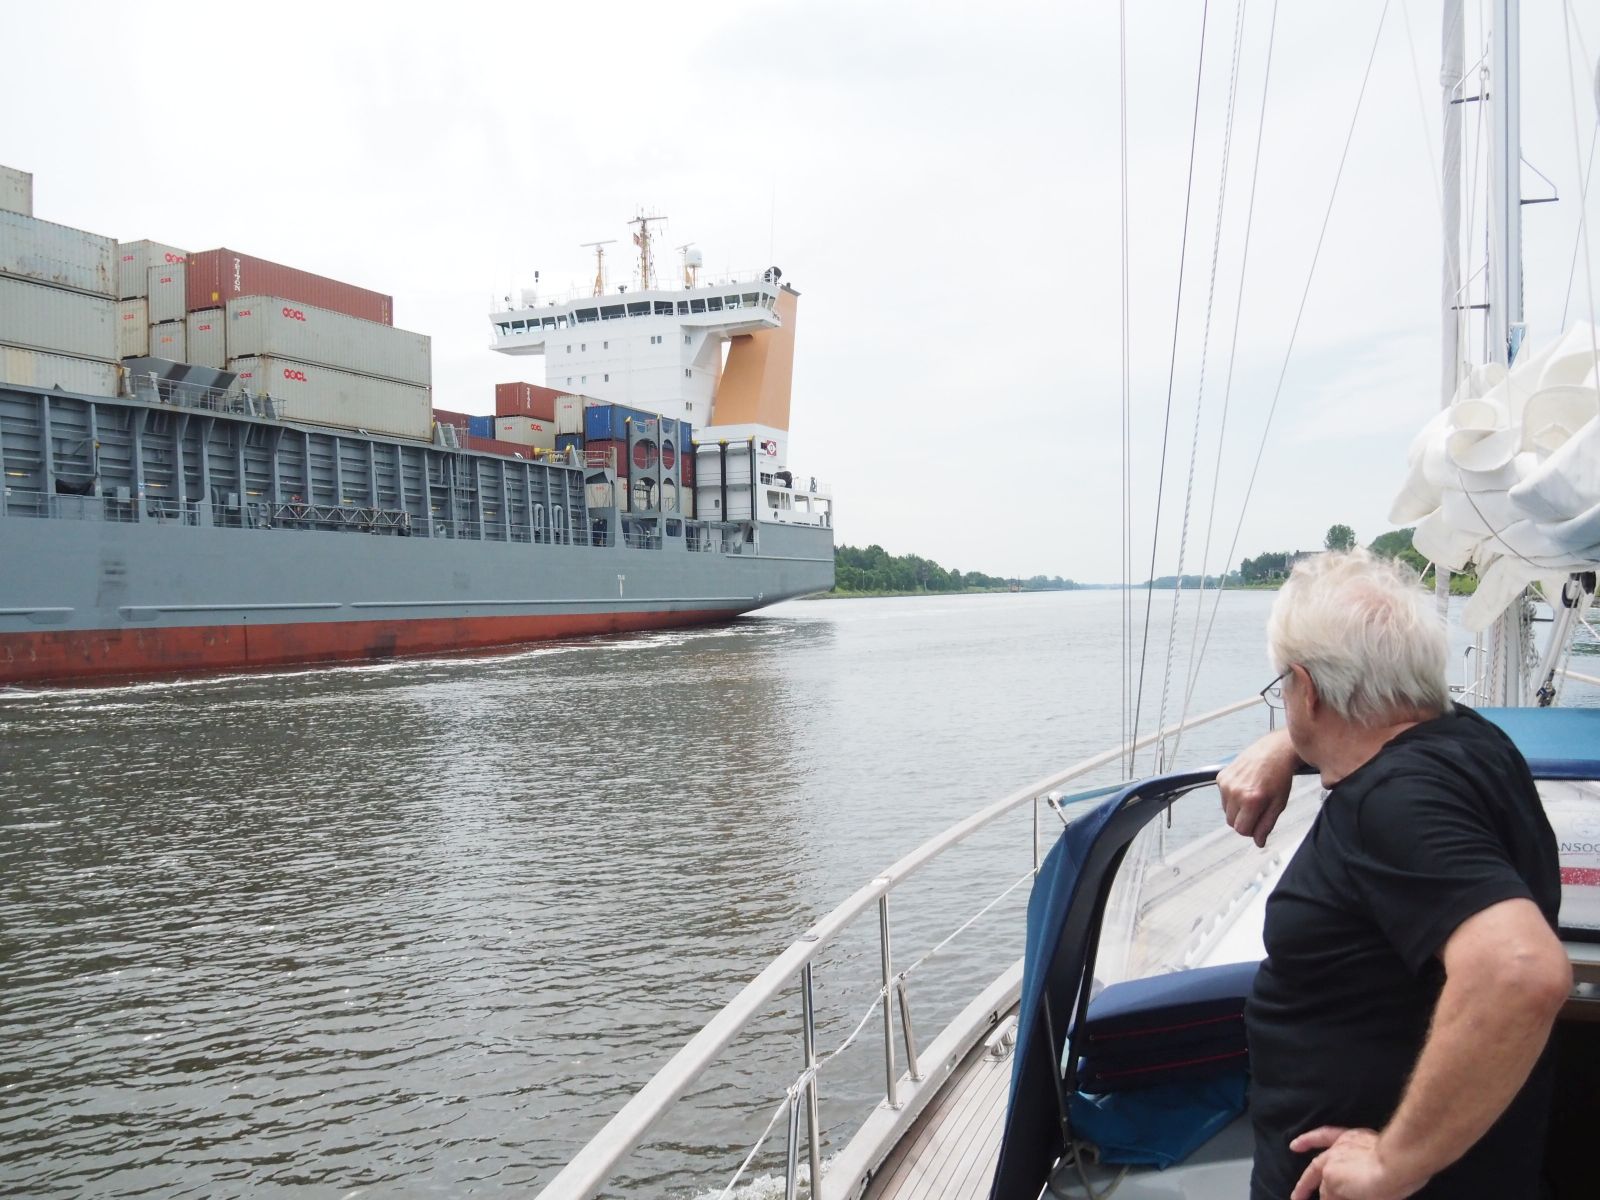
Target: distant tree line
[1276, 565]
[876, 570]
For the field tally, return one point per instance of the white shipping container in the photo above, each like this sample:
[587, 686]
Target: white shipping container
[686, 501]
[56, 255]
[16, 191]
[35, 368]
[165, 288]
[273, 328]
[133, 328]
[168, 340]
[134, 260]
[207, 346]
[525, 431]
[599, 495]
[57, 321]
[318, 395]
[569, 412]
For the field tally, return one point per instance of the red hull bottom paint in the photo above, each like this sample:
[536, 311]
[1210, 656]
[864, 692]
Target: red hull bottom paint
[70, 656]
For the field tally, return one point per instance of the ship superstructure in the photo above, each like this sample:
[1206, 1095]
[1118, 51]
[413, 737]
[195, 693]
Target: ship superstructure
[279, 502]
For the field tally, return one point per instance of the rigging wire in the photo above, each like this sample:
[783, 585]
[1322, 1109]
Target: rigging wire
[1198, 656]
[1583, 194]
[1172, 366]
[1200, 391]
[1288, 353]
[1577, 237]
[1128, 735]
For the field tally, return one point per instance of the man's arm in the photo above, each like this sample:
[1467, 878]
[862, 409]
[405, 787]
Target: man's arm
[1255, 786]
[1506, 977]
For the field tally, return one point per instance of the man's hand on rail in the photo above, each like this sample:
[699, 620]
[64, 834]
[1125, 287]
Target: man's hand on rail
[1255, 785]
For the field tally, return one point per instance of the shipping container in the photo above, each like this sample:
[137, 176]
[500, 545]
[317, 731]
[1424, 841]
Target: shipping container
[570, 409]
[686, 462]
[525, 431]
[569, 441]
[208, 347]
[610, 421]
[612, 454]
[277, 328]
[492, 446]
[445, 416]
[57, 256]
[16, 191]
[133, 328]
[57, 321]
[218, 276]
[168, 340]
[134, 260]
[686, 501]
[481, 427]
[525, 400]
[320, 395]
[165, 291]
[601, 495]
[37, 369]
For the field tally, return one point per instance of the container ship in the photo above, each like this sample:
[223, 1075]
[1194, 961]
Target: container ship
[214, 462]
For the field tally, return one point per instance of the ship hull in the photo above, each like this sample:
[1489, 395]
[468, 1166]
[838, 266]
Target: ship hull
[85, 600]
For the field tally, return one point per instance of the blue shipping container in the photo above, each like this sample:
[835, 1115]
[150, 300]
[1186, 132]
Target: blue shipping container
[606, 422]
[569, 441]
[480, 426]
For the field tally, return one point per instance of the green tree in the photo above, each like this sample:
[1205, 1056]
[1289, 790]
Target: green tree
[1340, 537]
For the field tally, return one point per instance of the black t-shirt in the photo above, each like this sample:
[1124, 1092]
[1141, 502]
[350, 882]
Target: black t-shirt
[1441, 824]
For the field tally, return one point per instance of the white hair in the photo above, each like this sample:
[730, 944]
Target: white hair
[1367, 633]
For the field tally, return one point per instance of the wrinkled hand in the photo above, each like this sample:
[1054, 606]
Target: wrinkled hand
[1255, 786]
[1349, 1167]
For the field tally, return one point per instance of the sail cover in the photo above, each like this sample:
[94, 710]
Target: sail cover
[1507, 477]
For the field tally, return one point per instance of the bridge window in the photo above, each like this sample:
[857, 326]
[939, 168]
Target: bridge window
[612, 312]
[752, 300]
[683, 307]
[639, 310]
[663, 308]
[714, 303]
[731, 301]
[697, 305]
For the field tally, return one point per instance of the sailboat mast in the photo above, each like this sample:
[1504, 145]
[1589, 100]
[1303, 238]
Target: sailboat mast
[1510, 641]
[1505, 186]
[1452, 62]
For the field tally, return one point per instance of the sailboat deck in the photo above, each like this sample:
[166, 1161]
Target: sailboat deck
[951, 1150]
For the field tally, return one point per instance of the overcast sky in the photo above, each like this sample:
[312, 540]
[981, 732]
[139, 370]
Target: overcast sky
[939, 181]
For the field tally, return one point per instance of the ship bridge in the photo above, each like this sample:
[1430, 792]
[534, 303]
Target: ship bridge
[658, 349]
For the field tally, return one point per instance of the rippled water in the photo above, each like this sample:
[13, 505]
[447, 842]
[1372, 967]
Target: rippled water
[419, 929]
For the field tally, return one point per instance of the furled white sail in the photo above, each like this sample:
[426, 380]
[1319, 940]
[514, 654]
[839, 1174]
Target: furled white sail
[1508, 475]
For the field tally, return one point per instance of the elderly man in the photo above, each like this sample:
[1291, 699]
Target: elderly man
[1398, 1025]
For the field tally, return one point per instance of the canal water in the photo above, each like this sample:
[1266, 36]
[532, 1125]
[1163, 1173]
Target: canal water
[420, 928]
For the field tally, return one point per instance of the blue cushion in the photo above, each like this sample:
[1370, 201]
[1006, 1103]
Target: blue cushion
[1168, 1028]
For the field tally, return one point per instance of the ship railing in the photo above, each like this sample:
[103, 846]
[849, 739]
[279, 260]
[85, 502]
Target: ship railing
[667, 279]
[601, 458]
[234, 401]
[120, 508]
[904, 1096]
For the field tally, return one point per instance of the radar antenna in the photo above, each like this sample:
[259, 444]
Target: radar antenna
[692, 261]
[647, 268]
[599, 249]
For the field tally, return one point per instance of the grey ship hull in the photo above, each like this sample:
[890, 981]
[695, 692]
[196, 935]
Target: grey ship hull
[111, 584]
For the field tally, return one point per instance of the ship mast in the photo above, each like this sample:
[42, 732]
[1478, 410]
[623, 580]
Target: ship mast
[641, 239]
[599, 249]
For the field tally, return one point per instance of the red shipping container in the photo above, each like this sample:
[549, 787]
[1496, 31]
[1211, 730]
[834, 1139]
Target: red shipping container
[610, 452]
[217, 276]
[525, 400]
[446, 417]
[492, 446]
[686, 466]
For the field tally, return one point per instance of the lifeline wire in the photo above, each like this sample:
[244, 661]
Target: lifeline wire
[1128, 736]
[1172, 366]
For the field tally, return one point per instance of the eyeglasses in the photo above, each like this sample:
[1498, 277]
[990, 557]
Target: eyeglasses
[1273, 692]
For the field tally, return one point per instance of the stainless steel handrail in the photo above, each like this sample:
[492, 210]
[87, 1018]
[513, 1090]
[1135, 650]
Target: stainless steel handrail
[592, 1166]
